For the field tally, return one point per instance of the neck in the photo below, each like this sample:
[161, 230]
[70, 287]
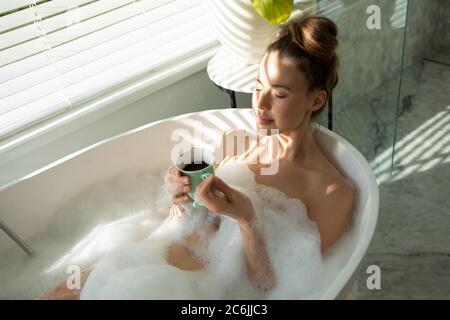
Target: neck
[297, 144]
[293, 146]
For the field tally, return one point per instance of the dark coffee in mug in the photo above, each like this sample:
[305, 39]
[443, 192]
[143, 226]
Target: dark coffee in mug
[198, 164]
[195, 166]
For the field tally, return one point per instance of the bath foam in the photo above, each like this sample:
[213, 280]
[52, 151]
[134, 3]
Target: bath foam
[104, 216]
[138, 270]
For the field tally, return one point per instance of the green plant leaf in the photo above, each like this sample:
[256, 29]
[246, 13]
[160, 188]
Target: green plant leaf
[274, 11]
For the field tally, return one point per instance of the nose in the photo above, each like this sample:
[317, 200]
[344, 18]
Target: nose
[263, 101]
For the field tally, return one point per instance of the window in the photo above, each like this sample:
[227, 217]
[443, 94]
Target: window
[56, 55]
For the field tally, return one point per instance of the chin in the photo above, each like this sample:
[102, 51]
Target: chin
[270, 126]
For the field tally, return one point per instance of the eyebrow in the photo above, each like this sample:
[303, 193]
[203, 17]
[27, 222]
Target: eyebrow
[275, 85]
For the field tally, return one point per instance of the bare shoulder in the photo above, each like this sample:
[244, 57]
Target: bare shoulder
[330, 190]
[336, 190]
[330, 185]
[331, 207]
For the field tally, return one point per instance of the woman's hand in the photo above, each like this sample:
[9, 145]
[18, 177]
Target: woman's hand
[177, 186]
[237, 205]
[225, 199]
[176, 211]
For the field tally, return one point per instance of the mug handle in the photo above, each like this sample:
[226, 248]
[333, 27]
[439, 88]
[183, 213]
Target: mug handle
[206, 176]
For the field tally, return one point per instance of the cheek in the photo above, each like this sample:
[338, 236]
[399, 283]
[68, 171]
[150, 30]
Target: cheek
[287, 111]
[289, 115]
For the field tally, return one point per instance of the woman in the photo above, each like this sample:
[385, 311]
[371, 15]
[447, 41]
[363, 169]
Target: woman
[294, 80]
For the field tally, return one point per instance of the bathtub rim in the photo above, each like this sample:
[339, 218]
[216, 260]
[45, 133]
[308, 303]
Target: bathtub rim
[354, 261]
[102, 142]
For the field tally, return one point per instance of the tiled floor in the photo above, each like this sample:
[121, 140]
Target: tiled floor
[411, 244]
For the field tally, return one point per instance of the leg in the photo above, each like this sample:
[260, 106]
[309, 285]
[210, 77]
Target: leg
[61, 292]
[182, 257]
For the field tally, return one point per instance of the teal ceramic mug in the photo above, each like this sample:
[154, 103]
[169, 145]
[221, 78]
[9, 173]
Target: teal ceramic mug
[198, 164]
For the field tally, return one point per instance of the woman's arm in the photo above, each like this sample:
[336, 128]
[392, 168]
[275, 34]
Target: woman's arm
[238, 206]
[259, 267]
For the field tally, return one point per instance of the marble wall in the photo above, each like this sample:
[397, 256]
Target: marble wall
[414, 259]
[366, 98]
[368, 56]
[441, 38]
[371, 57]
[422, 24]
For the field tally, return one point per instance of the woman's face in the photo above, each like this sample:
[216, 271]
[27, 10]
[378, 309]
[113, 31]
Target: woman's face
[281, 99]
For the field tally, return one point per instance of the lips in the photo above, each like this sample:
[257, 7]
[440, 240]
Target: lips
[263, 120]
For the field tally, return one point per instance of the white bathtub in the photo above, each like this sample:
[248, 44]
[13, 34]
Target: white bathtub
[29, 205]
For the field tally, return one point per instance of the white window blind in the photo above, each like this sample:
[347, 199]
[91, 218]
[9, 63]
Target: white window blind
[55, 55]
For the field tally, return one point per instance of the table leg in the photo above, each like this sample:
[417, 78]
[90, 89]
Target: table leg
[232, 95]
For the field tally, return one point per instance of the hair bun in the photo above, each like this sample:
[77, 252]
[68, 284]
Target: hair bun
[311, 43]
[316, 36]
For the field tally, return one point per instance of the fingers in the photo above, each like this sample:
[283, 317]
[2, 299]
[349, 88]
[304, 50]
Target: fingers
[174, 171]
[177, 185]
[177, 180]
[207, 197]
[205, 187]
[176, 211]
[177, 188]
[220, 185]
[223, 190]
[172, 175]
[180, 198]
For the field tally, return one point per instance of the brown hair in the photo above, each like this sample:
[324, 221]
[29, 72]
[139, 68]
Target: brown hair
[311, 44]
